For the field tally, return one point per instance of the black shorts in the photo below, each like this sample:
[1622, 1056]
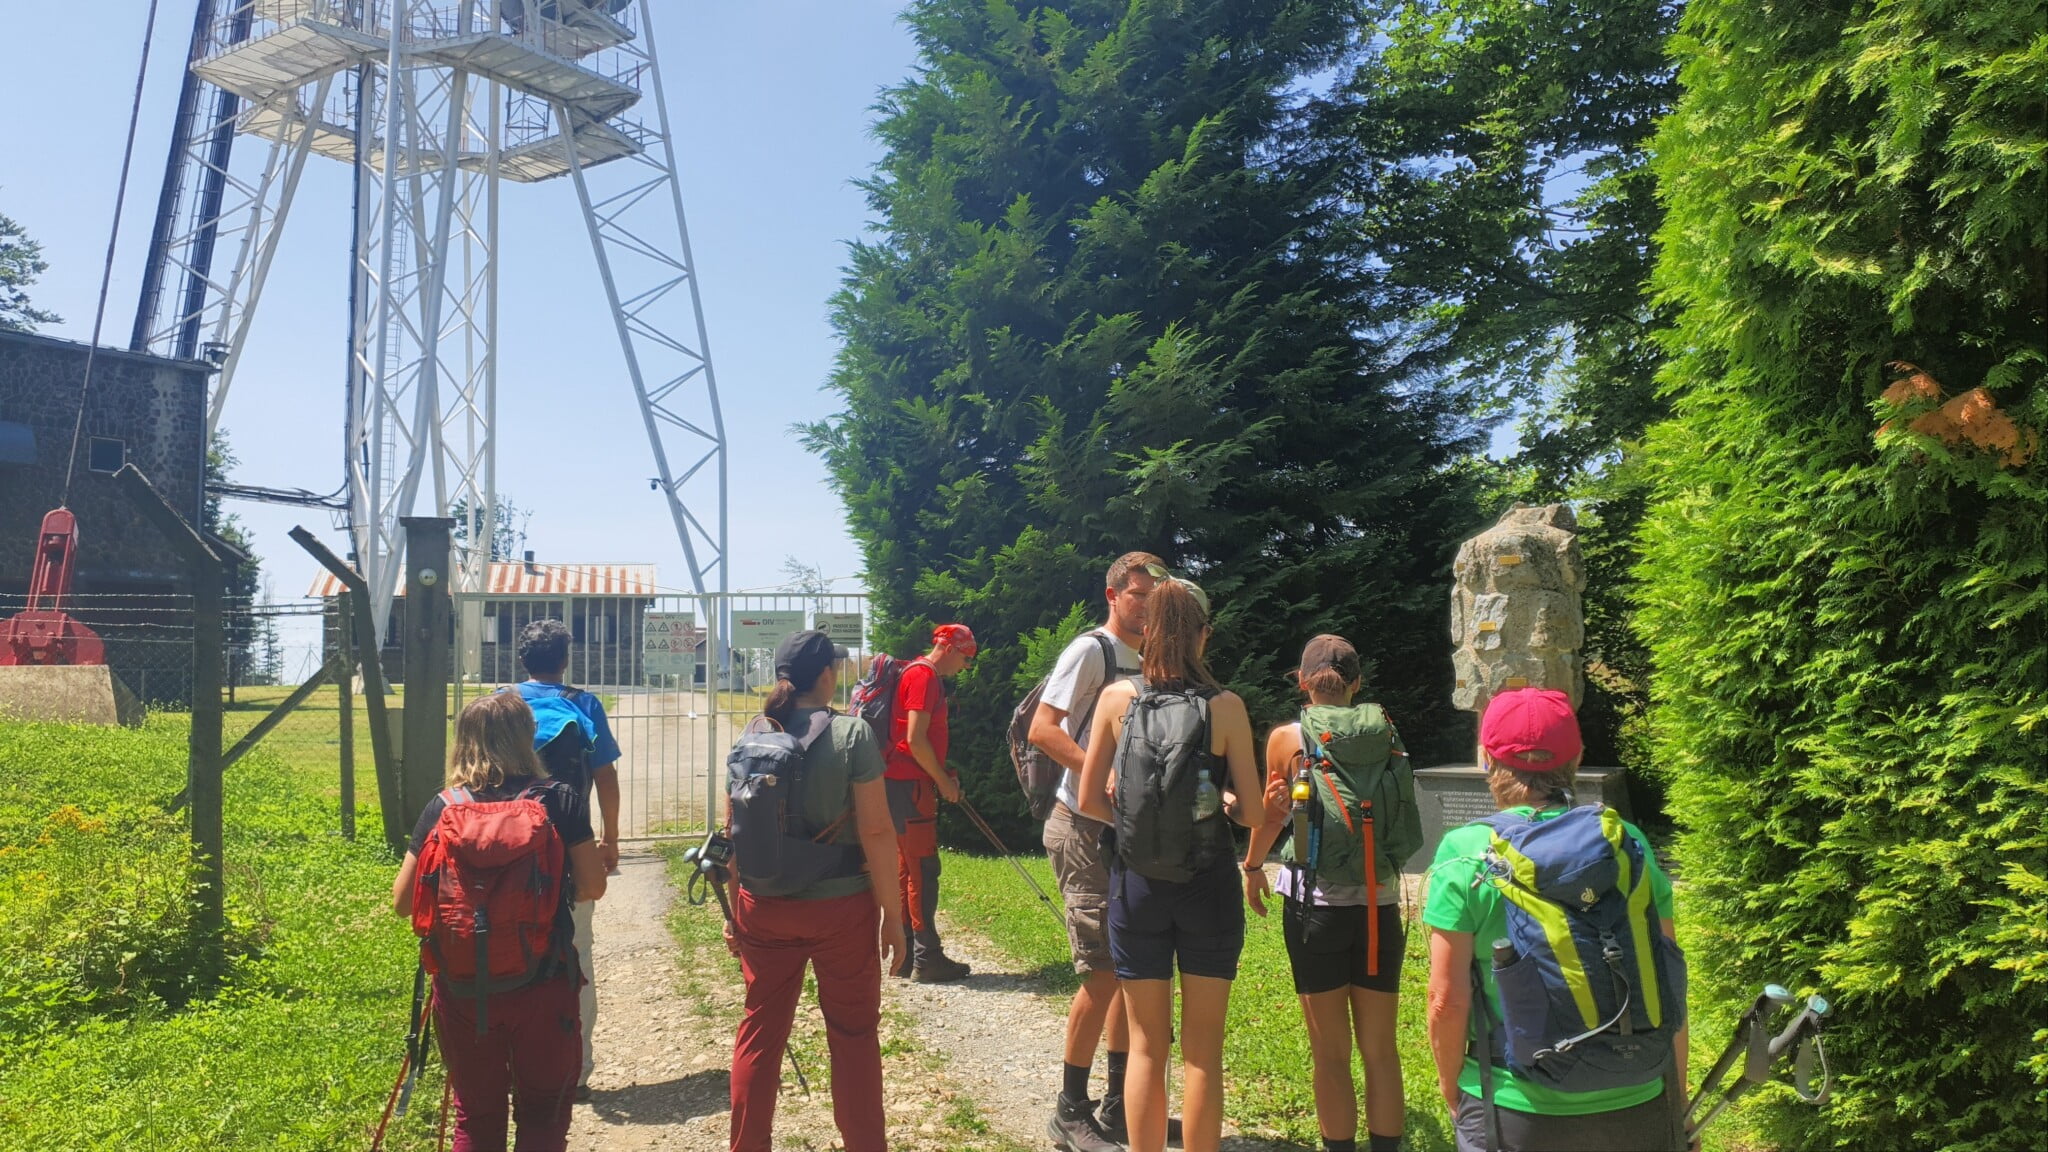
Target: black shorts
[1153, 923]
[1327, 947]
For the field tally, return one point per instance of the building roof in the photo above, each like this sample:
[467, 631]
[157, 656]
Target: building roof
[511, 578]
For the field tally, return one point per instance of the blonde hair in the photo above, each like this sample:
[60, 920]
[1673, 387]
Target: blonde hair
[494, 743]
[1175, 621]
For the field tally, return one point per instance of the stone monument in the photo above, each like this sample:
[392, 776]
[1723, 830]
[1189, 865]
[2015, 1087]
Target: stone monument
[1516, 620]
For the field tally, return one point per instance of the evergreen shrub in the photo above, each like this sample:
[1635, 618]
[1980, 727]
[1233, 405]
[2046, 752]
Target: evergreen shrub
[1845, 583]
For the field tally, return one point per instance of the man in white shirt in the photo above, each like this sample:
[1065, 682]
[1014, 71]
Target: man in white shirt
[1094, 660]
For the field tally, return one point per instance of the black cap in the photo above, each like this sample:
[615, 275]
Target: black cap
[803, 655]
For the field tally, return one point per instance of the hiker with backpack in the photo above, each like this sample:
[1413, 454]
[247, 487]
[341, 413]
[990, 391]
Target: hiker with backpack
[496, 862]
[1055, 719]
[1164, 766]
[814, 852]
[574, 739]
[917, 778]
[1561, 918]
[1340, 779]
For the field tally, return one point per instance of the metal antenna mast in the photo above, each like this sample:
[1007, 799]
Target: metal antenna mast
[436, 103]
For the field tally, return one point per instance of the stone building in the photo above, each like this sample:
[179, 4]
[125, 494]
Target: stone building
[144, 410]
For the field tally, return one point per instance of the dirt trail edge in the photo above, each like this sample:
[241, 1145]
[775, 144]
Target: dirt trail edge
[1000, 1034]
[652, 1078]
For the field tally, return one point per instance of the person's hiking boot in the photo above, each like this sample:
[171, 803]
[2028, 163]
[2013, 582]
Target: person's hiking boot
[939, 969]
[1110, 1118]
[1073, 1128]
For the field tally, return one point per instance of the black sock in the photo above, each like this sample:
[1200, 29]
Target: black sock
[1378, 1143]
[1332, 1144]
[1117, 1061]
[1074, 1082]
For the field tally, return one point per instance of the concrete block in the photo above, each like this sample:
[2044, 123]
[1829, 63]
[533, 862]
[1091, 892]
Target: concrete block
[67, 694]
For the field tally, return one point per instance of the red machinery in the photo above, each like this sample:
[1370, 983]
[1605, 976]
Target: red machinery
[44, 633]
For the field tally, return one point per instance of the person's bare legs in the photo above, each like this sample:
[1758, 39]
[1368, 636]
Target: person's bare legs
[1116, 1026]
[1328, 1015]
[1148, 1004]
[1097, 1008]
[1203, 1002]
[1386, 1108]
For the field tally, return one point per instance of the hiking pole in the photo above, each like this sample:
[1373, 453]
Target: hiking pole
[1749, 1037]
[417, 1037]
[1804, 1031]
[995, 841]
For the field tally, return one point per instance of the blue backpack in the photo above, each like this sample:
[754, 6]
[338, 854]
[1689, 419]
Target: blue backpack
[562, 735]
[775, 850]
[1591, 990]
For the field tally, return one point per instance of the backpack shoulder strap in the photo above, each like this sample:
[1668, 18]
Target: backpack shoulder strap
[450, 797]
[570, 692]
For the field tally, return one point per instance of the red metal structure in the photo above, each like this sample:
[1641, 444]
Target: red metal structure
[44, 633]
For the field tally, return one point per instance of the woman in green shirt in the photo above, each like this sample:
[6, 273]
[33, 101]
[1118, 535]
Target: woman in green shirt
[1530, 748]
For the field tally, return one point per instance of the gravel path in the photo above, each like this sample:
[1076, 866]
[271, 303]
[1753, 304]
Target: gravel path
[968, 1065]
[1001, 1035]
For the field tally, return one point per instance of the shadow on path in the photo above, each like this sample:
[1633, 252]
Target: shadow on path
[702, 1093]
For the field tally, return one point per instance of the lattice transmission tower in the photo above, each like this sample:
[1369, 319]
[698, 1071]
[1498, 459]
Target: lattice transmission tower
[436, 104]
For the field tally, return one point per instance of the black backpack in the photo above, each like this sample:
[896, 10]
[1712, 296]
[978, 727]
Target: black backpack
[1038, 774]
[775, 850]
[1162, 764]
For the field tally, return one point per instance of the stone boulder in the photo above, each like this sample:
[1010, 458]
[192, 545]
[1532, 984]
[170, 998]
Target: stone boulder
[67, 694]
[1516, 617]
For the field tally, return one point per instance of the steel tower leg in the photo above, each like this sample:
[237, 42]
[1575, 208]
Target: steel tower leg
[642, 244]
[423, 368]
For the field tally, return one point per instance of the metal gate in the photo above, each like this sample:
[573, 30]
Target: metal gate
[674, 710]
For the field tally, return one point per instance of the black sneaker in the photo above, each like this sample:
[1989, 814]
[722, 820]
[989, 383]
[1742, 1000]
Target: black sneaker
[939, 970]
[1073, 1128]
[1110, 1118]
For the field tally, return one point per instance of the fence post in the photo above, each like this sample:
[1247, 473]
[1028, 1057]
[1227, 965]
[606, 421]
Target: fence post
[429, 642]
[396, 830]
[207, 572]
[344, 679]
[714, 634]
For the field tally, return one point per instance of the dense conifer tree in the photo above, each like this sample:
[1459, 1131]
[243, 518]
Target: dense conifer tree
[1110, 305]
[1844, 583]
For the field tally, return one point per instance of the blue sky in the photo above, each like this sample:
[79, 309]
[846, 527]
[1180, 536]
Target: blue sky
[771, 107]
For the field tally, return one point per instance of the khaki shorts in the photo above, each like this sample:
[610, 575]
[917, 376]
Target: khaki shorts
[1074, 845]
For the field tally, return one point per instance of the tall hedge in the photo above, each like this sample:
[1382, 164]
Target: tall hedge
[1843, 585]
[1110, 303]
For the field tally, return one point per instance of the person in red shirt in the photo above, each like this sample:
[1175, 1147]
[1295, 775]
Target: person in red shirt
[917, 777]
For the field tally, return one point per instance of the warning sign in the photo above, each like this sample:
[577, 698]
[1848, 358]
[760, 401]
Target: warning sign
[669, 643]
[764, 630]
[842, 627]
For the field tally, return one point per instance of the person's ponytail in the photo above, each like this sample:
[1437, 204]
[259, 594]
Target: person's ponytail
[781, 704]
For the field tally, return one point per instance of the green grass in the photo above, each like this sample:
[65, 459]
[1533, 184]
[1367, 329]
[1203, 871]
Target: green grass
[1266, 1058]
[298, 1047]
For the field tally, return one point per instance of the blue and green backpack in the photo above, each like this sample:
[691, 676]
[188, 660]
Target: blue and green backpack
[1592, 992]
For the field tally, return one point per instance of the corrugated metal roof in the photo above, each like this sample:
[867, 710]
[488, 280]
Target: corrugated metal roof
[515, 579]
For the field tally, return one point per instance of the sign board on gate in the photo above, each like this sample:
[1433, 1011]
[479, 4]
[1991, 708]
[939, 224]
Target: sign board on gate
[842, 627]
[763, 630]
[669, 642]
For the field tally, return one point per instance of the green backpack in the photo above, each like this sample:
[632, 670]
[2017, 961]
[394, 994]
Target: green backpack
[1362, 823]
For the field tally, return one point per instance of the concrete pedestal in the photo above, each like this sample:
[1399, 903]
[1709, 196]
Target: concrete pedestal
[67, 694]
[1451, 795]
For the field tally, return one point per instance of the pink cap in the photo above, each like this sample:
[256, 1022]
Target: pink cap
[1532, 729]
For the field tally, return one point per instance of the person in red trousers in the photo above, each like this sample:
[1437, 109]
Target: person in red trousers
[844, 927]
[917, 780]
[513, 1055]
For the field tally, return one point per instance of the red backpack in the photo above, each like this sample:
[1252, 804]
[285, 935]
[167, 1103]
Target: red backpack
[488, 890]
[874, 698]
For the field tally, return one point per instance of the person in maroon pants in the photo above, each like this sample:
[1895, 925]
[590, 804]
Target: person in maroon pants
[844, 926]
[514, 1055]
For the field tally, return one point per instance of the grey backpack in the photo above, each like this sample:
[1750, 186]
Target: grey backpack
[1169, 806]
[1038, 774]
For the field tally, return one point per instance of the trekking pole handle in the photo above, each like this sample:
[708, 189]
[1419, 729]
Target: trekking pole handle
[1810, 1018]
[1747, 1032]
